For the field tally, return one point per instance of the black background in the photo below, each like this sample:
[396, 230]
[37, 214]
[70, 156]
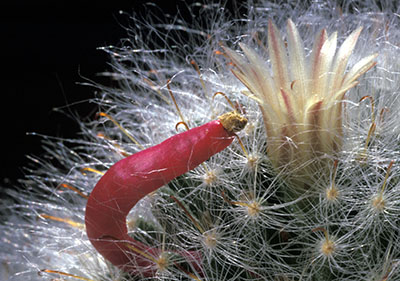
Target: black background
[47, 48]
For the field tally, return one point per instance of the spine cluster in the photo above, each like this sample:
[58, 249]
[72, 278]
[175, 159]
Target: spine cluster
[309, 191]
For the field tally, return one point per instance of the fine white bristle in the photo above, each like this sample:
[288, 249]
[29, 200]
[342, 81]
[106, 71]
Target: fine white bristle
[310, 192]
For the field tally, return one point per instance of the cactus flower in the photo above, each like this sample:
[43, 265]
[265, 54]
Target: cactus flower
[301, 98]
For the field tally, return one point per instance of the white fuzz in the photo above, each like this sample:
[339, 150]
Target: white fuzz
[310, 192]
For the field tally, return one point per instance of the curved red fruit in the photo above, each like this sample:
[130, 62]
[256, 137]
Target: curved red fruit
[130, 179]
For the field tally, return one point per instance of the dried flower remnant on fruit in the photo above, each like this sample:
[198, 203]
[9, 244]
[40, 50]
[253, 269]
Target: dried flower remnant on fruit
[301, 99]
[233, 121]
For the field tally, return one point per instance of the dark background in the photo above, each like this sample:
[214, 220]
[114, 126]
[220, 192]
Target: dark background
[47, 48]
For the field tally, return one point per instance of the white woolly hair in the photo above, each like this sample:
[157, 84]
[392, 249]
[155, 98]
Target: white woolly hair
[244, 221]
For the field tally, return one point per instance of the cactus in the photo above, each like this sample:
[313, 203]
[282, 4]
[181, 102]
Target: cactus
[309, 191]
